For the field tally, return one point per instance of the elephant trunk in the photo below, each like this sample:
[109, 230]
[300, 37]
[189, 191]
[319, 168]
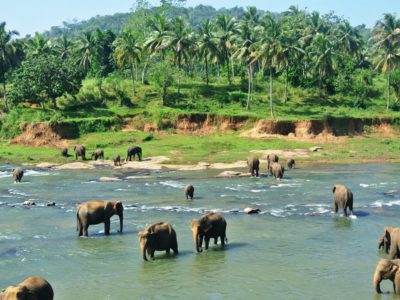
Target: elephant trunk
[121, 222]
[143, 246]
[377, 282]
[196, 238]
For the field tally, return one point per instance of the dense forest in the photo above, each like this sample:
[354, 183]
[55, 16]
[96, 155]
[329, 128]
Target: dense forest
[203, 59]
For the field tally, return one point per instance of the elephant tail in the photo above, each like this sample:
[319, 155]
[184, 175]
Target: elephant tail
[77, 222]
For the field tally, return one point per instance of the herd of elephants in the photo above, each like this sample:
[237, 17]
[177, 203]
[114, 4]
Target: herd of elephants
[161, 236]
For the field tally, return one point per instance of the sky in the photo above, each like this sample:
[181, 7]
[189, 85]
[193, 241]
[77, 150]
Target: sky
[30, 16]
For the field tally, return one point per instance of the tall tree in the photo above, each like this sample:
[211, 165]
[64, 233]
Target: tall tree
[387, 38]
[127, 53]
[86, 49]
[39, 45]
[208, 44]
[8, 56]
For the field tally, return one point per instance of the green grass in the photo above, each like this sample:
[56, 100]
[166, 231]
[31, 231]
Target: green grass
[186, 149]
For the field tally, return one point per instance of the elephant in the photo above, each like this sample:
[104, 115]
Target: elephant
[158, 237]
[98, 154]
[253, 163]
[132, 151]
[342, 198]
[189, 191]
[390, 242]
[276, 170]
[80, 150]
[117, 160]
[271, 158]
[95, 212]
[18, 173]
[211, 225]
[387, 269]
[64, 152]
[32, 288]
[291, 163]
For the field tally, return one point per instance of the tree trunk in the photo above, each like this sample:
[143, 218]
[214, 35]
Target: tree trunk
[133, 80]
[249, 88]
[388, 87]
[286, 85]
[228, 73]
[233, 68]
[218, 73]
[5, 95]
[144, 70]
[270, 93]
[54, 100]
[179, 73]
[206, 71]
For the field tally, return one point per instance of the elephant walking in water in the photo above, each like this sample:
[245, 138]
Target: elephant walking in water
[276, 170]
[211, 225]
[387, 269]
[342, 198]
[253, 163]
[291, 163]
[272, 158]
[132, 151]
[18, 173]
[96, 212]
[32, 288]
[189, 191]
[390, 242]
[158, 237]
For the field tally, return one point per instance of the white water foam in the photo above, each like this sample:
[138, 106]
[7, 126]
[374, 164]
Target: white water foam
[17, 193]
[36, 173]
[380, 203]
[173, 184]
[10, 237]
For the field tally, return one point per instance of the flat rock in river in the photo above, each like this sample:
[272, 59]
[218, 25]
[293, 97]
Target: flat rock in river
[232, 174]
[75, 166]
[46, 165]
[109, 179]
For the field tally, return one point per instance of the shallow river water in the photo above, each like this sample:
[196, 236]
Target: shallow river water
[295, 249]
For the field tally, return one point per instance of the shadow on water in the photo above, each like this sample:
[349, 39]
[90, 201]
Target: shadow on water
[361, 214]
[342, 222]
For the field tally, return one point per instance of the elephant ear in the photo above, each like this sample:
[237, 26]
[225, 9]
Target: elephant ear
[206, 224]
[334, 189]
[143, 234]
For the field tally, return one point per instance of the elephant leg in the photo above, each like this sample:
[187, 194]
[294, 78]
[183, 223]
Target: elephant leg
[107, 224]
[215, 240]
[257, 173]
[207, 242]
[223, 240]
[152, 253]
[167, 251]
[85, 229]
[175, 249]
[335, 207]
[345, 211]
[351, 209]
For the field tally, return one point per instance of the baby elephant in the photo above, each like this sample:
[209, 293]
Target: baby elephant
[64, 152]
[32, 288]
[18, 173]
[271, 158]
[117, 160]
[96, 212]
[276, 170]
[158, 237]
[390, 241]
[291, 164]
[387, 269]
[189, 191]
[98, 154]
[342, 198]
[253, 163]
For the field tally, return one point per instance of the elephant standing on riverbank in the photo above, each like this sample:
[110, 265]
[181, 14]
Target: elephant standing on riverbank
[132, 151]
[211, 225]
[342, 198]
[96, 212]
[17, 173]
[387, 269]
[64, 152]
[117, 160]
[253, 163]
[390, 242]
[32, 288]
[272, 158]
[80, 150]
[98, 154]
[158, 237]
[276, 170]
[189, 191]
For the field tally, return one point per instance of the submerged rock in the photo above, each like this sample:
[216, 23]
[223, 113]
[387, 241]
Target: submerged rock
[28, 203]
[232, 174]
[109, 179]
[250, 211]
[50, 204]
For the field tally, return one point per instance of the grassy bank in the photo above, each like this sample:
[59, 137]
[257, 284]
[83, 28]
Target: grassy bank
[229, 147]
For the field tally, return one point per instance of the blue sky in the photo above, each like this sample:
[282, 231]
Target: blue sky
[29, 16]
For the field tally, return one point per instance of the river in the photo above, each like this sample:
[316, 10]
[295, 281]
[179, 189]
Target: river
[294, 249]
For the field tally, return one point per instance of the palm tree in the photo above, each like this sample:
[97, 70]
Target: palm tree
[349, 38]
[127, 53]
[387, 37]
[64, 46]
[180, 40]
[86, 50]
[208, 44]
[246, 42]
[159, 28]
[227, 29]
[8, 53]
[39, 45]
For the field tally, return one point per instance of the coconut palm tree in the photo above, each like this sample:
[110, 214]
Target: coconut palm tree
[127, 53]
[159, 26]
[64, 47]
[207, 44]
[180, 41]
[39, 45]
[8, 53]
[227, 29]
[349, 38]
[86, 50]
[386, 34]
